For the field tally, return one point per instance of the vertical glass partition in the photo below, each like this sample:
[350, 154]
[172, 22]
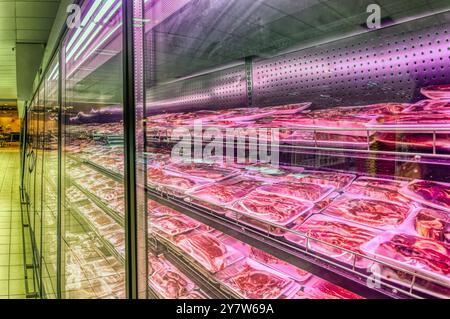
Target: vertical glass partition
[93, 161]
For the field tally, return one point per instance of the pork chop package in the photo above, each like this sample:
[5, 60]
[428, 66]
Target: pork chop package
[170, 226]
[270, 173]
[380, 214]
[208, 250]
[206, 171]
[272, 208]
[296, 273]
[297, 190]
[226, 192]
[170, 182]
[169, 282]
[377, 188]
[430, 193]
[327, 178]
[437, 92]
[333, 232]
[249, 279]
[403, 249]
[318, 288]
[432, 224]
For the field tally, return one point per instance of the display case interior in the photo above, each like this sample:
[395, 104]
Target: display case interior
[281, 149]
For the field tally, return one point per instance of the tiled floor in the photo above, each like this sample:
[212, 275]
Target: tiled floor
[12, 281]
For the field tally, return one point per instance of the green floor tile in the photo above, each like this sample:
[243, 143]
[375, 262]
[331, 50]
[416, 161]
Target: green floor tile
[5, 225]
[4, 272]
[4, 249]
[4, 287]
[5, 232]
[4, 259]
[16, 287]
[16, 259]
[16, 272]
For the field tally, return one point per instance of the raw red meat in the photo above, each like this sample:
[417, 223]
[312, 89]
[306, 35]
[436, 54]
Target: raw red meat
[202, 170]
[288, 108]
[430, 193]
[441, 91]
[414, 120]
[209, 251]
[416, 140]
[429, 106]
[170, 283]
[322, 289]
[370, 212]
[301, 191]
[433, 224]
[255, 281]
[174, 225]
[338, 180]
[381, 189]
[418, 252]
[272, 207]
[226, 192]
[335, 232]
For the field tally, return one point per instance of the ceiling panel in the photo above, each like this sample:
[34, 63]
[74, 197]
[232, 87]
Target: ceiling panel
[21, 21]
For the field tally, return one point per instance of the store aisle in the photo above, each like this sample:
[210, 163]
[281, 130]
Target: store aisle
[12, 282]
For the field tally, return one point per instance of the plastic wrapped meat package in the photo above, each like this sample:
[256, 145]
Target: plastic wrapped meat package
[347, 235]
[430, 193]
[272, 208]
[432, 224]
[208, 250]
[226, 192]
[172, 182]
[208, 172]
[297, 190]
[75, 195]
[421, 141]
[171, 226]
[437, 92]
[383, 215]
[321, 289]
[430, 258]
[169, 282]
[296, 273]
[250, 279]
[336, 179]
[378, 188]
[270, 173]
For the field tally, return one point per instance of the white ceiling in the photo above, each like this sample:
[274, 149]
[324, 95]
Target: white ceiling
[22, 21]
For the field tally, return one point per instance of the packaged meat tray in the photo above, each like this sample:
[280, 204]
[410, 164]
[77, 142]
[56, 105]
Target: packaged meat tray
[255, 223]
[177, 183]
[252, 280]
[341, 233]
[272, 208]
[298, 190]
[288, 109]
[174, 225]
[429, 106]
[208, 172]
[226, 192]
[209, 251]
[377, 188]
[372, 110]
[194, 295]
[170, 283]
[433, 224]
[437, 92]
[270, 173]
[322, 289]
[429, 257]
[384, 215]
[430, 193]
[338, 180]
[264, 258]
[430, 120]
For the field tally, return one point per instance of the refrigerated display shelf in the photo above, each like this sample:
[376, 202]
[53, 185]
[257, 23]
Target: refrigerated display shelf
[198, 275]
[118, 177]
[82, 220]
[97, 201]
[343, 275]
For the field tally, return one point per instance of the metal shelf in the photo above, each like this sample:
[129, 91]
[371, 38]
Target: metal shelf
[85, 221]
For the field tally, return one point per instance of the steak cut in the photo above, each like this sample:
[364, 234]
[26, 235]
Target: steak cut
[255, 281]
[209, 251]
[226, 192]
[300, 191]
[369, 212]
[377, 189]
[272, 207]
[418, 252]
[433, 224]
[430, 193]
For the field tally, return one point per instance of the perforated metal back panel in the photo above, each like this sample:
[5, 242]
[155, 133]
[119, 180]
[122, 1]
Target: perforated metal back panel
[224, 88]
[386, 65]
[390, 64]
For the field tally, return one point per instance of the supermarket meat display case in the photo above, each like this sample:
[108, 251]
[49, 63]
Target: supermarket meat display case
[242, 149]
